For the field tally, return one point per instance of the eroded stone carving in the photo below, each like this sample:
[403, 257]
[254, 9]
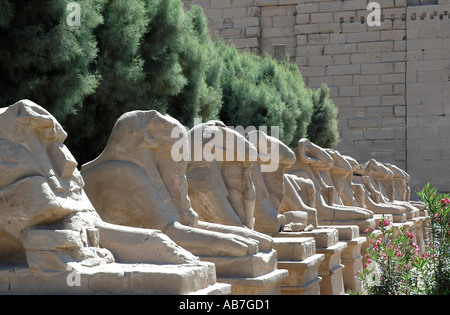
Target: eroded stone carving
[314, 163]
[138, 182]
[283, 191]
[381, 179]
[229, 190]
[368, 195]
[401, 187]
[47, 222]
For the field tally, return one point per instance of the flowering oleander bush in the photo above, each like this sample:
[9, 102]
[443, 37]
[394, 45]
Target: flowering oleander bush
[394, 264]
[439, 211]
[390, 261]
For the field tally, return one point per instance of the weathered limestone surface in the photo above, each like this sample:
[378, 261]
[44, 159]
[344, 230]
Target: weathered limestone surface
[314, 163]
[326, 239]
[153, 193]
[49, 227]
[159, 224]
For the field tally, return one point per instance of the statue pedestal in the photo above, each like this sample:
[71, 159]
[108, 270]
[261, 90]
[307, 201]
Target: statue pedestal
[330, 269]
[114, 278]
[251, 274]
[298, 256]
[351, 256]
[362, 224]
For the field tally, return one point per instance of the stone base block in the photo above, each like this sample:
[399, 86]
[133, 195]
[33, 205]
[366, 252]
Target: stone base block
[298, 256]
[331, 270]
[418, 231]
[294, 248]
[303, 276]
[324, 237]
[248, 266]
[251, 274]
[351, 257]
[114, 278]
[362, 224]
[327, 243]
[267, 284]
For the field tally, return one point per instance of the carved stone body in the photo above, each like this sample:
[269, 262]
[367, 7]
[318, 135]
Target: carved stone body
[314, 163]
[48, 226]
[138, 181]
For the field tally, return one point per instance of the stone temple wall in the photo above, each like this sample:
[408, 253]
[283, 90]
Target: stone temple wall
[390, 82]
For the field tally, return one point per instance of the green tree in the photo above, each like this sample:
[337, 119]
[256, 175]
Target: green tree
[122, 86]
[44, 59]
[323, 129]
[201, 96]
[259, 91]
[152, 55]
[298, 99]
[163, 41]
[247, 99]
[206, 79]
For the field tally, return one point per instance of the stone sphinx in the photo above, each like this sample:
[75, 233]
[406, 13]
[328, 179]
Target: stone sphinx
[314, 163]
[49, 227]
[364, 189]
[138, 181]
[282, 189]
[382, 182]
[381, 178]
[229, 189]
[225, 185]
[265, 172]
[401, 190]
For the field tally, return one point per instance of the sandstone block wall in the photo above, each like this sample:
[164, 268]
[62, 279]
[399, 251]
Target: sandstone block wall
[390, 82]
[364, 68]
[428, 94]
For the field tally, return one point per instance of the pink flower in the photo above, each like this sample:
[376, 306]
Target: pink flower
[384, 222]
[399, 254]
[369, 261]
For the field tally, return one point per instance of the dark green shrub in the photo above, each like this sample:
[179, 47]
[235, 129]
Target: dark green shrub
[152, 55]
[201, 66]
[44, 59]
[122, 86]
[259, 91]
[323, 129]
[147, 54]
